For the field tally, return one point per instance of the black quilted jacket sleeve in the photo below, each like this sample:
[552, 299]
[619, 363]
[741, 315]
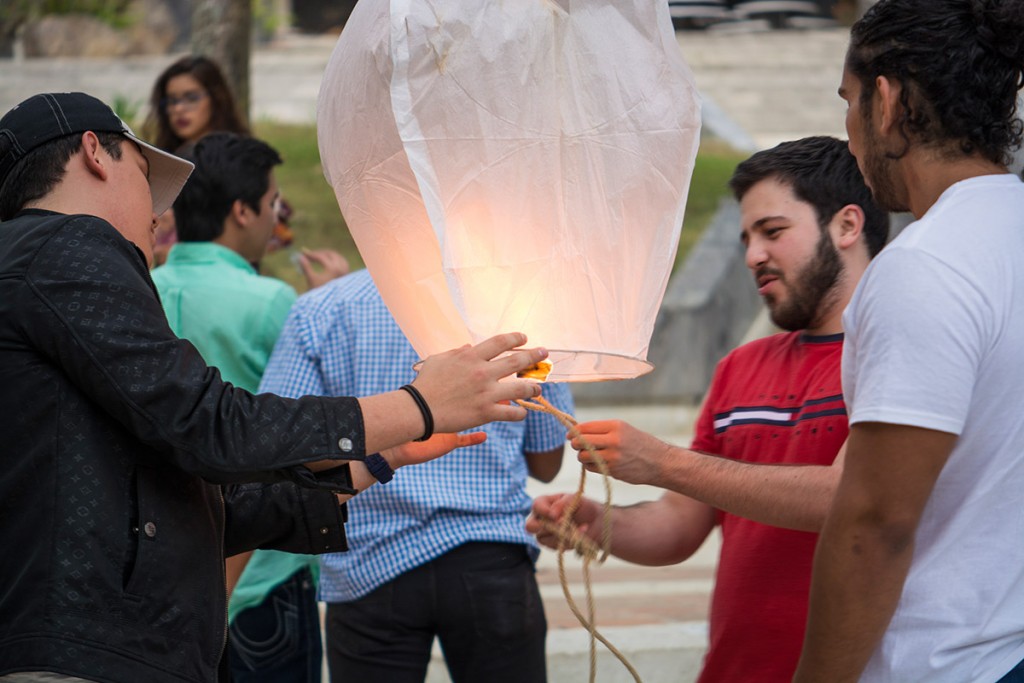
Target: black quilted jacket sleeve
[283, 516]
[92, 309]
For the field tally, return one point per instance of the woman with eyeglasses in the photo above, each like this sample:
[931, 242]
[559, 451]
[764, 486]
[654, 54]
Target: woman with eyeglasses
[190, 99]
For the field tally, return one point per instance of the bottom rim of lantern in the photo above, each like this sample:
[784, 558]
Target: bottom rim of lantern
[590, 366]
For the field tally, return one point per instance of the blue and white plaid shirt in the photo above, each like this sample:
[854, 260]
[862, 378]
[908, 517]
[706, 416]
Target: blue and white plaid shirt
[340, 340]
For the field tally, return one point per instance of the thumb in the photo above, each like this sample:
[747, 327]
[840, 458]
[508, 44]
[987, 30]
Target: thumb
[305, 265]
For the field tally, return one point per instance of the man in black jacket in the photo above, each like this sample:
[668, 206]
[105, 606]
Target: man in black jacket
[116, 437]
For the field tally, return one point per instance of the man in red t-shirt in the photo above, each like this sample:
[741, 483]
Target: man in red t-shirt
[774, 418]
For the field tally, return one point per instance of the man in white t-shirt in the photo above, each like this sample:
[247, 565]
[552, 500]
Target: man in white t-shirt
[919, 572]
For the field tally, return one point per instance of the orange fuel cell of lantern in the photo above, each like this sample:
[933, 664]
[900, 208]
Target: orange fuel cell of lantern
[515, 166]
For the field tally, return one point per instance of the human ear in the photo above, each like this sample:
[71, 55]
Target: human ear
[240, 212]
[94, 156]
[847, 226]
[887, 103]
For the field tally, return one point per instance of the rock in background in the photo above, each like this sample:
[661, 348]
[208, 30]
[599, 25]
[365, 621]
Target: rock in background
[152, 27]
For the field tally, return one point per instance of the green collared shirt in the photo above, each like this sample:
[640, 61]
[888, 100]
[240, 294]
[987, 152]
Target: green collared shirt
[214, 298]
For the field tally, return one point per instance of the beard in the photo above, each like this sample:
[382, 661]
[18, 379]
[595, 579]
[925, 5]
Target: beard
[810, 291]
[877, 168]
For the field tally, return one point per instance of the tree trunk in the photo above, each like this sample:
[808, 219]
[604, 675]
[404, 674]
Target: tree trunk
[222, 31]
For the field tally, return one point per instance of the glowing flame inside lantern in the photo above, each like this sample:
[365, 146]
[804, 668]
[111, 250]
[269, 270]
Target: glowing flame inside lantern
[515, 166]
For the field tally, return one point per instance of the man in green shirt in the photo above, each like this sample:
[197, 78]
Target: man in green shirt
[214, 297]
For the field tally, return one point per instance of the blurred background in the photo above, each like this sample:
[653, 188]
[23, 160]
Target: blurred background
[229, 31]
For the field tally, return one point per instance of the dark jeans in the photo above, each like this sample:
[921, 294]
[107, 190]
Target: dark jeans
[278, 641]
[1016, 675]
[482, 602]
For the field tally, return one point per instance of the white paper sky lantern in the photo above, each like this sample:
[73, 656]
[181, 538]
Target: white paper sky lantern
[515, 165]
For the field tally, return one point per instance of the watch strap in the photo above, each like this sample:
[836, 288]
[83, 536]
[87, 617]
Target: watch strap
[379, 468]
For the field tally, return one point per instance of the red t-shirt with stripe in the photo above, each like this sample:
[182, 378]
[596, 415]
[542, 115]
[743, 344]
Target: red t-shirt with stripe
[775, 400]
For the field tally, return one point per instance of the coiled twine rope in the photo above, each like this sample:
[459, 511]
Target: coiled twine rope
[569, 536]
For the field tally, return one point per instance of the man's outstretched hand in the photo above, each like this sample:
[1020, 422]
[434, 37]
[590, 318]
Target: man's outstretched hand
[417, 452]
[463, 387]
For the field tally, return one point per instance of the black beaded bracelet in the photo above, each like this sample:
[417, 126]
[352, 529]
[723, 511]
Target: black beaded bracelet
[428, 417]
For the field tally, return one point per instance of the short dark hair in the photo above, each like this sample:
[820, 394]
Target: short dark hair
[36, 174]
[959, 63]
[229, 167]
[224, 114]
[821, 172]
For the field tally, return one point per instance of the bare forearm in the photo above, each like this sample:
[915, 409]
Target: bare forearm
[789, 496]
[796, 497]
[360, 473]
[859, 571]
[411, 453]
[390, 420]
[655, 534]
[361, 480]
[544, 465]
[233, 568]
[866, 545]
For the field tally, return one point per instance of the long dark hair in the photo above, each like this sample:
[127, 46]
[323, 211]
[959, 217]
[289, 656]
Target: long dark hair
[224, 114]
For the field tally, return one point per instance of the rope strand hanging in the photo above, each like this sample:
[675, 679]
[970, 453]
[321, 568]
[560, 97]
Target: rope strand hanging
[569, 536]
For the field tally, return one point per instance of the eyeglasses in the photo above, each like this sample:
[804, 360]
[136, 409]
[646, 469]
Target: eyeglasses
[189, 100]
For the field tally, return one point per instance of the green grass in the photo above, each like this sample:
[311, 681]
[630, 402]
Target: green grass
[710, 183]
[317, 222]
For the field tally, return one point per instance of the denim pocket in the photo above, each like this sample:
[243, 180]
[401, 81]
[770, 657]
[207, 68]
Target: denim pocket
[271, 633]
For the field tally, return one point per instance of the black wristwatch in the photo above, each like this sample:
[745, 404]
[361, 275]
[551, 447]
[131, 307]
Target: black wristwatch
[379, 468]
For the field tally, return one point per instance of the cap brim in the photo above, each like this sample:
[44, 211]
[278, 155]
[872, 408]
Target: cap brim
[167, 174]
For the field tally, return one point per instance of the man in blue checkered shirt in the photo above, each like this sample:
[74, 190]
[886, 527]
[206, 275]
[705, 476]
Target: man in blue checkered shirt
[441, 550]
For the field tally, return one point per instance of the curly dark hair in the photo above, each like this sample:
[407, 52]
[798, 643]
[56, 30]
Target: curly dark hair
[821, 172]
[224, 114]
[959, 63]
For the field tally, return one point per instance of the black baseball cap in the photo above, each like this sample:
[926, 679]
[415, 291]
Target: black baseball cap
[45, 117]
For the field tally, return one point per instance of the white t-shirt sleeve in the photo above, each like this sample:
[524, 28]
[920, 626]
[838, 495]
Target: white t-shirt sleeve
[915, 341]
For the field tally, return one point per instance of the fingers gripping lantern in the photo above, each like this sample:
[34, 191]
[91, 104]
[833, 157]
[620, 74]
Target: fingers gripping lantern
[515, 166]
